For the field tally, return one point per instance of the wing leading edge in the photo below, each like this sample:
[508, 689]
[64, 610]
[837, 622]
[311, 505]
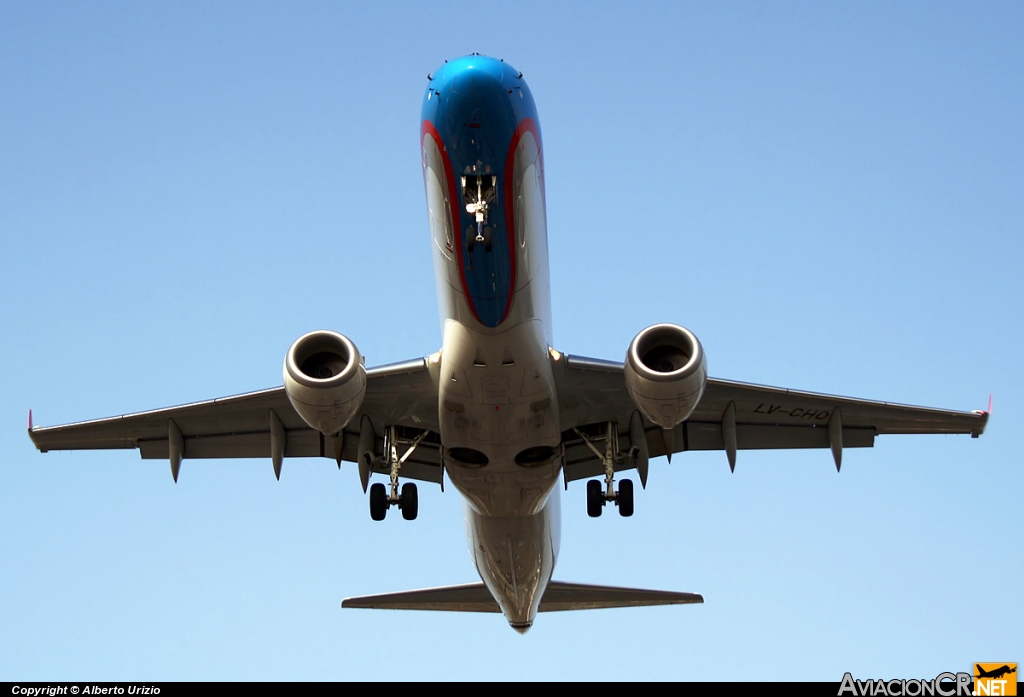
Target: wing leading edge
[590, 391]
[402, 394]
[593, 391]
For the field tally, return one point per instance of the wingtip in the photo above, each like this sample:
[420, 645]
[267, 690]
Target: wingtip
[32, 433]
[984, 414]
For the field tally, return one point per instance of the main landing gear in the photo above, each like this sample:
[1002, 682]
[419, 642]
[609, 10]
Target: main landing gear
[598, 496]
[380, 501]
[384, 497]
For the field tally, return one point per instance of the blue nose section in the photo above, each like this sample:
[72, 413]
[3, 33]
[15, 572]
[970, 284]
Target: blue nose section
[475, 75]
[476, 103]
[475, 82]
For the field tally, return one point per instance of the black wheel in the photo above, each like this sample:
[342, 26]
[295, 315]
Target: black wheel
[487, 239]
[470, 239]
[410, 504]
[378, 501]
[625, 499]
[595, 499]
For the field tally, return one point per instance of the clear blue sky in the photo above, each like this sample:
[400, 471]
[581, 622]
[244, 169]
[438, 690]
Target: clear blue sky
[830, 195]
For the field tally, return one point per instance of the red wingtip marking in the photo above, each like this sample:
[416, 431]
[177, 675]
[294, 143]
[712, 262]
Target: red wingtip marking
[30, 419]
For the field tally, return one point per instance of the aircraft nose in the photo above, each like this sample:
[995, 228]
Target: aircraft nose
[474, 82]
[473, 76]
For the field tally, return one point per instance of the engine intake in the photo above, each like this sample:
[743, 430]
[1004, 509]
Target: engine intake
[666, 372]
[325, 380]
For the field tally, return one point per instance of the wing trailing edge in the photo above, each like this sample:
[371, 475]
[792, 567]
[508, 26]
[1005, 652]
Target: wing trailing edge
[559, 596]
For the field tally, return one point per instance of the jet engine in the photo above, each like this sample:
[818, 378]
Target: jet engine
[665, 373]
[325, 380]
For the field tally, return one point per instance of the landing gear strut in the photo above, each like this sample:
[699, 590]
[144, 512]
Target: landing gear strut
[596, 497]
[477, 200]
[381, 497]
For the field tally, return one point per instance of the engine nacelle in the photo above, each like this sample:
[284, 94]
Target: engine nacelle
[325, 380]
[666, 372]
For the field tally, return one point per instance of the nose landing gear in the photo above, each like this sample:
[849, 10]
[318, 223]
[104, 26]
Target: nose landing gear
[598, 497]
[478, 193]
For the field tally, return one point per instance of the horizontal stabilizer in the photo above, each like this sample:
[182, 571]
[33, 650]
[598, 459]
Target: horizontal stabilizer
[578, 596]
[559, 596]
[469, 597]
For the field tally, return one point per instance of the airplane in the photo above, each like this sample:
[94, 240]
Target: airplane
[498, 411]
[994, 673]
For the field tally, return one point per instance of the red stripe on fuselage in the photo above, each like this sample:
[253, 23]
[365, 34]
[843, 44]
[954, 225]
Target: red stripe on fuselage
[526, 125]
[428, 130]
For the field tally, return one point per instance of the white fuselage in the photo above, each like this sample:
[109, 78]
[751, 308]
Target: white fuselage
[497, 395]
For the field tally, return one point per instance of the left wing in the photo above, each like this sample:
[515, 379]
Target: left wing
[402, 394]
[593, 391]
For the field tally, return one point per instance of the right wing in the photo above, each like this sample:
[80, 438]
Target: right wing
[400, 394]
[593, 392]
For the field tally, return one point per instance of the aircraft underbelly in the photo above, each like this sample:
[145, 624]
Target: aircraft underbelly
[515, 557]
[498, 411]
[499, 418]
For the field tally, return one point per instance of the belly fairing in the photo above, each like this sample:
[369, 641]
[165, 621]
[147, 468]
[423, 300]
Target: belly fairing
[497, 407]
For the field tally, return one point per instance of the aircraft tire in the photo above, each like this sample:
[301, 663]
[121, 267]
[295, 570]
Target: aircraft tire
[625, 499]
[595, 501]
[378, 501]
[410, 501]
